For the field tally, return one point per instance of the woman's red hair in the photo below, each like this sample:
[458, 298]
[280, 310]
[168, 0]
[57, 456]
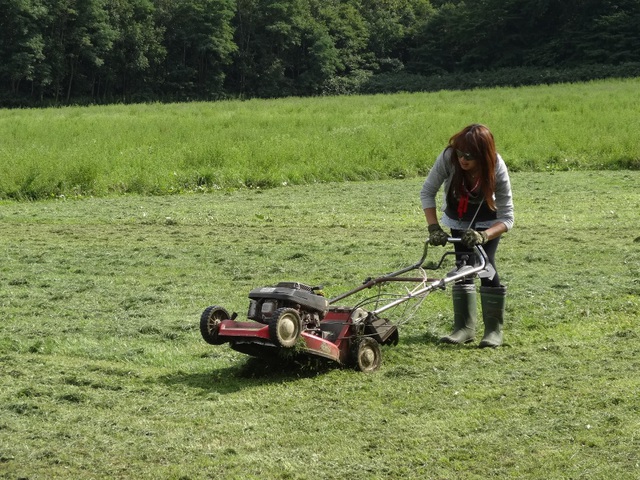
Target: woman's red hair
[478, 141]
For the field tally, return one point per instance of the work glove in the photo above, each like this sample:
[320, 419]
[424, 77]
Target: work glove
[471, 238]
[437, 236]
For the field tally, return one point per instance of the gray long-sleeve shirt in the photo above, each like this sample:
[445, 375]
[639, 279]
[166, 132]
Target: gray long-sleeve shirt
[442, 173]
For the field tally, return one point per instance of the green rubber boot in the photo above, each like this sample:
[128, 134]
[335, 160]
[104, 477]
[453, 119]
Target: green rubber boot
[464, 314]
[493, 300]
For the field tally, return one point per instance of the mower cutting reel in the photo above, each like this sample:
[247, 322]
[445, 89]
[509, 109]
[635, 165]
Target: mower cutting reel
[294, 317]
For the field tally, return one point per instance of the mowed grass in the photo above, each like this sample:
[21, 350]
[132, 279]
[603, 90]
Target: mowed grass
[103, 373]
[163, 149]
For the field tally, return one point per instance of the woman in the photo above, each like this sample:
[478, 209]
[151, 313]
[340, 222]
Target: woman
[478, 208]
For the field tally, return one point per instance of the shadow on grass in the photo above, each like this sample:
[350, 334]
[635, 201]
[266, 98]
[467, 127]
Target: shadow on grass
[427, 338]
[253, 372]
[430, 338]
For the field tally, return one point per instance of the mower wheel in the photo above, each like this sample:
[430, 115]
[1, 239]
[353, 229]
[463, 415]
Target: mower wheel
[285, 327]
[365, 354]
[210, 324]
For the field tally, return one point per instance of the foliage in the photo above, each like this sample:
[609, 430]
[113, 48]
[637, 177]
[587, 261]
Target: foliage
[492, 34]
[199, 147]
[106, 51]
[283, 49]
[403, 81]
[104, 373]
[199, 47]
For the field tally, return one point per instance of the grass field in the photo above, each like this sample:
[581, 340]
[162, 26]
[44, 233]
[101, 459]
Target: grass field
[161, 149]
[103, 373]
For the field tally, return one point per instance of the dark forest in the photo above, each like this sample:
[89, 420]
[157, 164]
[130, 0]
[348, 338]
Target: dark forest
[58, 52]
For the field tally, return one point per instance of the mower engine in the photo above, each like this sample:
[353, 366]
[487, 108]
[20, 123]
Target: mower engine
[266, 301]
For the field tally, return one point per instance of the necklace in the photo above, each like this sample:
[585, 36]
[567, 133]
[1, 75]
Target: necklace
[475, 185]
[463, 203]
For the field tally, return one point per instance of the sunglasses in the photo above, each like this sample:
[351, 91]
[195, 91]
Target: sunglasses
[467, 156]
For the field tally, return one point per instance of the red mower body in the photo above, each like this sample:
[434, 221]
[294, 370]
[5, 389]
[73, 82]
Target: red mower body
[343, 335]
[291, 317]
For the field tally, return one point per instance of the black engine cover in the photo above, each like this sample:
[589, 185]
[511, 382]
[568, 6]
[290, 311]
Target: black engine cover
[293, 293]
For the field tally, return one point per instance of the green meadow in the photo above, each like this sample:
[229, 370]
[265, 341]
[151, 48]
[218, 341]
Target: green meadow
[104, 374]
[163, 149]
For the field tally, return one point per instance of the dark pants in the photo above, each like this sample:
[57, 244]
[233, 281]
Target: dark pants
[490, 249]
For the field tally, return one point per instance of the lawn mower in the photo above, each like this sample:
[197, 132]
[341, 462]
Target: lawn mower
[292, 317]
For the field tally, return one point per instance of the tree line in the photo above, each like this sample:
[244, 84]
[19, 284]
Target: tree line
[102, 51]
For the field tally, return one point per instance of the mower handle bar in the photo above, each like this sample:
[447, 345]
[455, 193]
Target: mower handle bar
[439, 283]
